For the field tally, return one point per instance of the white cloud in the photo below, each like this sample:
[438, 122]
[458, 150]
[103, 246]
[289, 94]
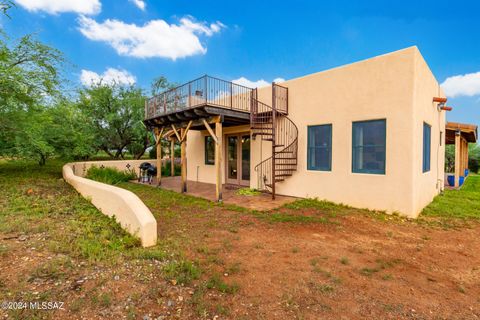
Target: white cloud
[58, 6]
[110, 76]
[156, 38]
[462, 85]
[255, 84]
[140, 4]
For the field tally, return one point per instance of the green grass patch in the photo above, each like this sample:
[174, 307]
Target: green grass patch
[283, 217]
[184, 272]
[381, 264]
[52, 270]
[109, 175]
[314, 203]
[216, 282]
[247, 192]
[458, 204]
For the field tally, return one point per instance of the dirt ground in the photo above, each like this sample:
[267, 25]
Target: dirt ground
[305, 262]
[360, 268]
[357, 270]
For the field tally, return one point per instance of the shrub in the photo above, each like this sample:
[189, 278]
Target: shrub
[248, 192]
[109, 175]
[473, 165]
[166, 169]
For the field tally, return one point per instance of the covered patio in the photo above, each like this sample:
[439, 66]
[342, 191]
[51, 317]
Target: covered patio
[261, 201]
[460, 135]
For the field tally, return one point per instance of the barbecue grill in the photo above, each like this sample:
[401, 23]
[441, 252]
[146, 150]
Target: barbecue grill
[147, 172]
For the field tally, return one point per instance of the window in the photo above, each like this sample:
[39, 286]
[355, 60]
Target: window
[319, 149]
[427, 141]
[368, 146]
[209, 150]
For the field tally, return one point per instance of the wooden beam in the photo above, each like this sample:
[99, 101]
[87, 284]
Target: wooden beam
[184, 134]
[457, 158]
[209, 129]
[446, 108]
[172, 157]
[200, 113]
[218, 160]
[439, 99]
[176, 133]
[158, 136]
[167, 133]
[183, 147]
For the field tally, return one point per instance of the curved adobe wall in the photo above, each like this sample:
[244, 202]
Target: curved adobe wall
[80, 168]
[132, 214]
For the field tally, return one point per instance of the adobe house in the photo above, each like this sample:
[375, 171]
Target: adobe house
[370, 134]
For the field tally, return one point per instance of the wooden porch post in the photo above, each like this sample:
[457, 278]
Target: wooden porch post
[457, 157]
[158, 142]
[184, 160]
[218, 159]
[172, 157]
[466, 154]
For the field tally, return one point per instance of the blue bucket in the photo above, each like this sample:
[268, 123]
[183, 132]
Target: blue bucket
[466, 172]
[451, 180]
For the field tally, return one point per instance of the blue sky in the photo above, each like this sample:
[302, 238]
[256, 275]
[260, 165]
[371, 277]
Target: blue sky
[256, 40]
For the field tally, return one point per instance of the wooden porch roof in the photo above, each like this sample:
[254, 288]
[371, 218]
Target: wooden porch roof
[468, 131]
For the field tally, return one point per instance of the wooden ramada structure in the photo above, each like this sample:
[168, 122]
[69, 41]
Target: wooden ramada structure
[460, 135]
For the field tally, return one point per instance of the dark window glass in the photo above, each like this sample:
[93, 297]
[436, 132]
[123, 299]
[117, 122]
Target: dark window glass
[427, 141]
[319, 149]
[209, 150]
[246, 157]
[368, 146]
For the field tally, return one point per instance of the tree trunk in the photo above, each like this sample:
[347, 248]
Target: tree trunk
[108, 152]
[43, 160]
[145, 146]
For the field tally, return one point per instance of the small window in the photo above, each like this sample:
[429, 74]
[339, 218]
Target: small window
[209, 150]
[427, 142]
[319, 149]
[369, 146]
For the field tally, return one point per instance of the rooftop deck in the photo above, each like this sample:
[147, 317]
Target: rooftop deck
[202, 97]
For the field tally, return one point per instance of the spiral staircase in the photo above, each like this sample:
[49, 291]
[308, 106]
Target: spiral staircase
[273, 125]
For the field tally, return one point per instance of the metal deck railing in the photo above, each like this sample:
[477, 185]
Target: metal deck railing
[204, 91]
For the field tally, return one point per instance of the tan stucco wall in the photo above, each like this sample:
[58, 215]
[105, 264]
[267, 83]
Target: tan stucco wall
[129, 211]
[427, 185]
[397, 87]
[80, 168]
[197, 170]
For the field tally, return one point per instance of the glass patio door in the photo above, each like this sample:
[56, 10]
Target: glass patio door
[238, 159]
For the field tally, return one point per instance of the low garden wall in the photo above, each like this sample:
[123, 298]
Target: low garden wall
[80, 168]
[128, 210]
